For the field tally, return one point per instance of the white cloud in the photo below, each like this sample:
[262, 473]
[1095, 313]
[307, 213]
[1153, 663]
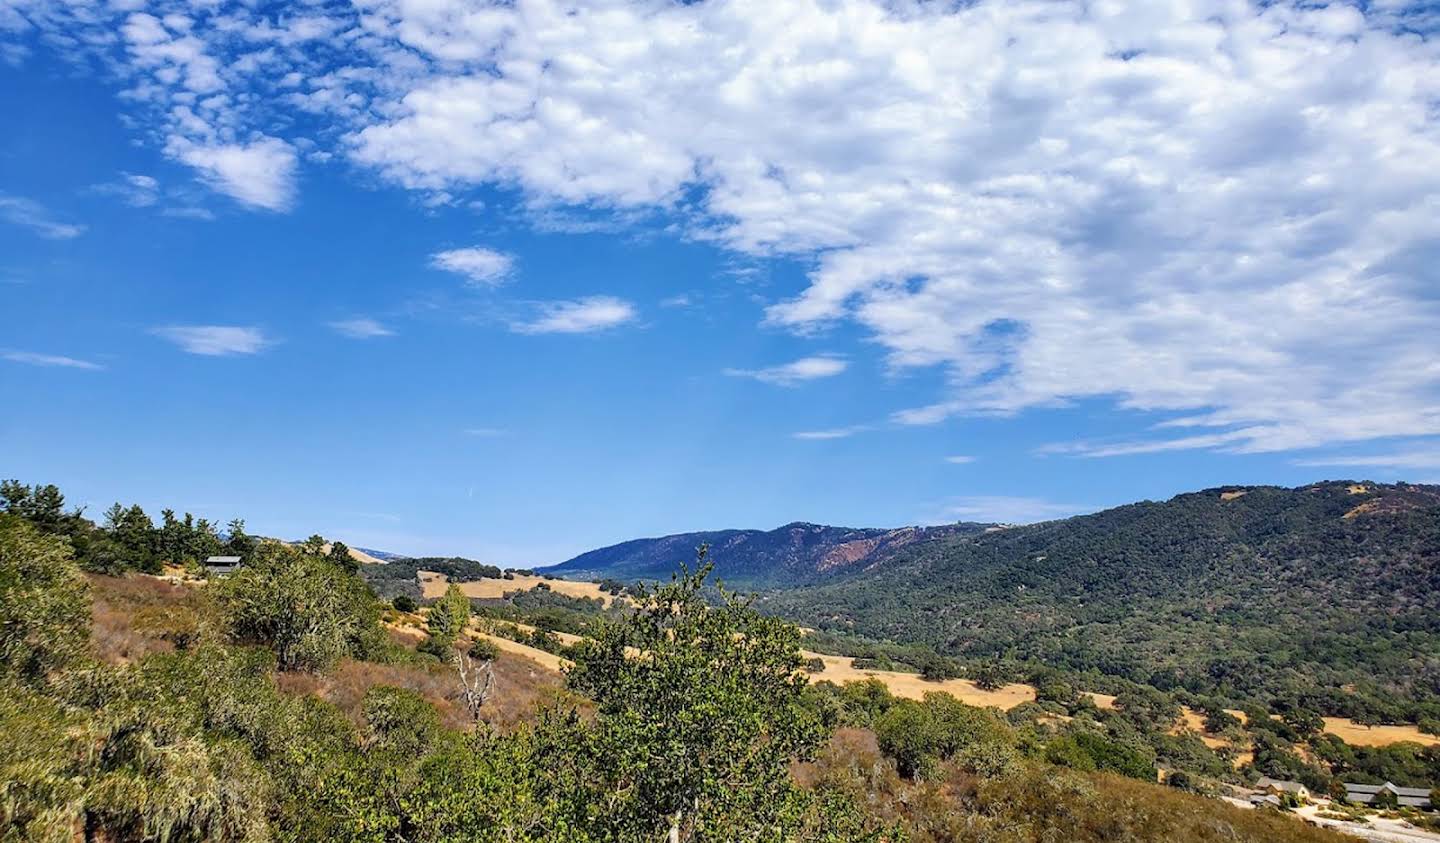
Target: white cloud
[259, 173]
[1219, 210]
[832, 433]
[794, 373]
[31, 358]
[32, 215]
[362, 328]
[1007, 509]
[134, 189]
[960, 459]
[579, 316]
[1423, 457]
[480, 266]
[215, 340]
[486, 432]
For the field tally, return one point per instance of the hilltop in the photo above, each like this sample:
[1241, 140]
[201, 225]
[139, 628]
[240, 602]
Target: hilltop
[795, 554]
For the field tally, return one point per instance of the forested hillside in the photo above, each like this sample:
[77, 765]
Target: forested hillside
[794, 554]
[1326, 596]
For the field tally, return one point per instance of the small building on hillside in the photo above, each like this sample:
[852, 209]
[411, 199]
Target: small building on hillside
[1387, 794]
[1264, 800]
[1276, 787]
[219, 566]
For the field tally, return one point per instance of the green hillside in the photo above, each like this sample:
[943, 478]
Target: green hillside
[1326, 596]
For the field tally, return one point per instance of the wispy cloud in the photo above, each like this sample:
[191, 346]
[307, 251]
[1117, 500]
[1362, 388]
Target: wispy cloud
[960, 459]
[1007, 509]
[796, 372]
[832, 433]
[215, 340]
[1152, 446]
[486, 432]
[30, 214]
[1424, 457]
[578, 316]
[134, 189]
[31, 358]
[362, 328]
[480, 266]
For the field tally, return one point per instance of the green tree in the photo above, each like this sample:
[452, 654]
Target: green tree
[340, 555]
[907, 733]
[308, 610]
[700, 711]
[990, 676]
[237, 542]
[446, 619]
[44, 603]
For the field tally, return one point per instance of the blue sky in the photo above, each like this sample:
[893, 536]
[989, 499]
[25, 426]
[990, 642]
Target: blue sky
[514, 283]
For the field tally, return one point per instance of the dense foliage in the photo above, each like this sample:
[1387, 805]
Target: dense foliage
[1324, 598]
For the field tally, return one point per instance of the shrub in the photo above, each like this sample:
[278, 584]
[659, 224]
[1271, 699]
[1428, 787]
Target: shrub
[484, 649]
[304, 607]
[404, 603]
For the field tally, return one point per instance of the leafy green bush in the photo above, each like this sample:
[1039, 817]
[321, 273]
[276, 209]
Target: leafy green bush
[309, 611]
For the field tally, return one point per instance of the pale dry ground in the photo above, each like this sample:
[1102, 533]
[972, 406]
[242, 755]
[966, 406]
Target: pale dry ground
[432, 585]
[358, 555]
[840, 670]
[1353, 733]
[549, 661]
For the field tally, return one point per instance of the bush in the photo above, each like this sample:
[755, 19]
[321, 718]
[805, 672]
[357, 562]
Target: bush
[44, 603]
[484, 650]
[304, 607]
[404, 603]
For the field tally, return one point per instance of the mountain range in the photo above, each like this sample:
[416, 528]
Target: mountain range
[1329, 590]
[792, 555]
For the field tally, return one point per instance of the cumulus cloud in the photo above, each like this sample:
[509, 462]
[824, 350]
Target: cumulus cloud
[31, 358]
[1223, 213]
[215, 340]
[259, 173]
[794, 373]
[578, 316]
[20, 211]
[480, 266]
[363, 328]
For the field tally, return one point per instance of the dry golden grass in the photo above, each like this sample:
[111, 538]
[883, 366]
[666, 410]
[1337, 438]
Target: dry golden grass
[519, 688]
[840, 670]
[1232, 495]
[542, 658]
[432, 585]
[1353, 733]
[135, 615]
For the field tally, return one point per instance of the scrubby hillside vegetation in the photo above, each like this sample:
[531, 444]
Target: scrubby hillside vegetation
[287, 702]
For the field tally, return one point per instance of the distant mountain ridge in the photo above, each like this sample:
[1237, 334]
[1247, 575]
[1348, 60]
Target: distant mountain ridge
[796, 554]
[1327, 593]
